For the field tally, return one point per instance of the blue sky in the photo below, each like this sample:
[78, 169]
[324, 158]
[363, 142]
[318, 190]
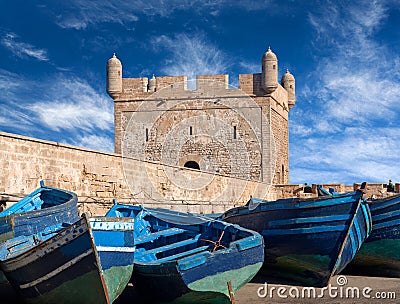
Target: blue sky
[344, 55]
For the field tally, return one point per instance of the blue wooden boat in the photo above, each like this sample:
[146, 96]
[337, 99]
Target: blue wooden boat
[89, 261]
[189, 258]
[44, 207]
[307, 240]
[322, 191]
[380, 253]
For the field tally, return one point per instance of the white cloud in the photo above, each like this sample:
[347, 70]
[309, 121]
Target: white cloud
[300, 130]
[95, 142]
[350, 102]
[354, 156]
[79, 14]
[72, 104]
[9, 82]
[12, 114]
[66, 107]
[191, 55]
[23, 49]
[14, 117]
[344, 24]
[250, 67]
[358, 94]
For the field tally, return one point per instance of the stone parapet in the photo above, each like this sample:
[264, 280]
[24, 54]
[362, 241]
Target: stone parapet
[99, 177]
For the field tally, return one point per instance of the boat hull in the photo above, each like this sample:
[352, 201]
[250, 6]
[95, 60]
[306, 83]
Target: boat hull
[185, 281]
[307, 241]
[188, 258]
[114, 239]
[380, 253]
[66, 268]
[42, 208]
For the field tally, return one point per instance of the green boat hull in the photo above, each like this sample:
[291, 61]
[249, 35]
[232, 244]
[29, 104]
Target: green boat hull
[214, 289]
[116, 279]
[299, 268]
[377, 258]
[69, 292]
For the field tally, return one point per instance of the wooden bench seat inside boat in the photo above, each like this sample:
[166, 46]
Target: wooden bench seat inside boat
[155, 235]
[183, 254]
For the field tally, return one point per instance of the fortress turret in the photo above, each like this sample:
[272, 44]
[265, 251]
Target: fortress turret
[152, 84]
[269, 78]
[158, 105]
[289, 84]
[114, 76]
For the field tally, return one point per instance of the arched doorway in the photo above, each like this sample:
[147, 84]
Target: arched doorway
[192, 165]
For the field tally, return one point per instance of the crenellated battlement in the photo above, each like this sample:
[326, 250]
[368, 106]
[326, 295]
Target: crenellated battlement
[134, 86]
[140, 88]
[251, 84]
[261, 84]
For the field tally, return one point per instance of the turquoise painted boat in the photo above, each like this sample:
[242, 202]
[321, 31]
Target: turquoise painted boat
[307, 240]
[44, 207]
[380, 253]
[89, 261]
[188, 258]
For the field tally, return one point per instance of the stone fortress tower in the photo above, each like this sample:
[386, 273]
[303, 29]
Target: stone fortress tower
[176, 125]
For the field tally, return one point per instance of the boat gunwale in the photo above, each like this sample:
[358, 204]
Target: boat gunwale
[23, 255]
[379, 204]
[38, 212]
[268, 206]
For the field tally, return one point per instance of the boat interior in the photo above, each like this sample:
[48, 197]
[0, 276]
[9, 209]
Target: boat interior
[18, 245]
[163, 236]
[40, 199]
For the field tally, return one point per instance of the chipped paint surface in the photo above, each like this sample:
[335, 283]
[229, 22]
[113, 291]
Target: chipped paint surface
[218, 282]
[84, 289]
[307, 240]
[378, 258]
[185, 257]
[116, 279]
[67, 264]
[44, 207]
[380, 253]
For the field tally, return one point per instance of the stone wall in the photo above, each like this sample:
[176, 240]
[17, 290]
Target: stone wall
[99, 177]
[94, 176]
[217, 138]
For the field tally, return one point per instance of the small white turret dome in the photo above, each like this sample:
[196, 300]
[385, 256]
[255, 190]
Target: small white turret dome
[269, 74]
[114, 60]
[289, 83]
[270, 55]
[152, 84]
[287, 77]
[114, 76]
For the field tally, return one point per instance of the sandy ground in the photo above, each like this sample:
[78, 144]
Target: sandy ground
[376, 290]
[371, 290]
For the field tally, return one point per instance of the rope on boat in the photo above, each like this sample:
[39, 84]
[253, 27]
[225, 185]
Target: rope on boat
[216, 244]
